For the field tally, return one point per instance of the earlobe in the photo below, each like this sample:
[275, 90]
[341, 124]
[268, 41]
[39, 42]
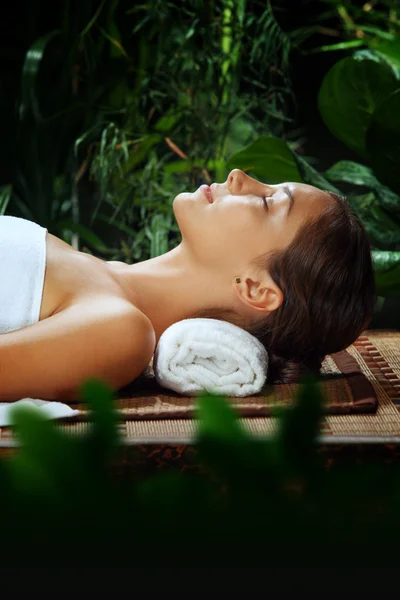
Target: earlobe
[273, 298]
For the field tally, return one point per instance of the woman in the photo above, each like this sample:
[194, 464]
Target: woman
[289, 263]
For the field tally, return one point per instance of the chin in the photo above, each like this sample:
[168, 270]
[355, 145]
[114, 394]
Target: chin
[184, 196]
[182, 201]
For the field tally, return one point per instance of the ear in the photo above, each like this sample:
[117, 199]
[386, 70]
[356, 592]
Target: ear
[264, 296]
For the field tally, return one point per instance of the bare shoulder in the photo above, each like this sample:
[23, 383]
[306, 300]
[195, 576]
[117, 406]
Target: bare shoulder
[142, 326]
[106, 338]
[119, 313]
[128, 327]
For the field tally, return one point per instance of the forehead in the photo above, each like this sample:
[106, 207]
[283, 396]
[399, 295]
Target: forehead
[308, 199]
[309, 192]
[305, 188]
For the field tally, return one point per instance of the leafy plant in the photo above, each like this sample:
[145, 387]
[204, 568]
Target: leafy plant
[353, 25]
[105, 143]
[117, 113]
[59, 96]
[271, 494]
[359, 102]
[351, 91]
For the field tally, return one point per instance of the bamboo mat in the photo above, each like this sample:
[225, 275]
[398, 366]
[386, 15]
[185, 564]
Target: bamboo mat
[345, 390]
[361, 387]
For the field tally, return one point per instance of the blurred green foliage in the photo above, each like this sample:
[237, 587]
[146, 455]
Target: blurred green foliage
[255, 501]
[359, 102]
[158, 98]
[110, 99]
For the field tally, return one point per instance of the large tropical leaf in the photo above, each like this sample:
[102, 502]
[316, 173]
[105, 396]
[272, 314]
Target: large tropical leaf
[312, 176]
[269, 159]
[351, 91]
[387, 271]
[382, 228]
[360, 175]
[383, 140]
[379, 209]
[391, 51]
[240, 133]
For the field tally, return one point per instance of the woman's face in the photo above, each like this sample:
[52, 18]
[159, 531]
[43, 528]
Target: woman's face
[237, 227]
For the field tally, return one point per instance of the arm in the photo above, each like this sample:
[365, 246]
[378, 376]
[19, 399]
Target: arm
[107, 339]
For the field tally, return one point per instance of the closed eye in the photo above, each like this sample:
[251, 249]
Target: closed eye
[288, 193]
[265, 201]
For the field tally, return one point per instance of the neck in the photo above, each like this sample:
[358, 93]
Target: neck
[171, 287]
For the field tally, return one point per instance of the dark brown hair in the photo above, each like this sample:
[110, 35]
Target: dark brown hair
[327, 280]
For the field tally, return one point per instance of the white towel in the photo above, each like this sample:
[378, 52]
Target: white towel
[212, 355]
[51, 410]
[22, 271]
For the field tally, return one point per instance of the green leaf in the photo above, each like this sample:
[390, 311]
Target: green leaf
[351, 91]
[51, 457]
[30, 70]
[218, 420]
[387, 271]
[119, 96]
[269, 159]
[229, 450]
[160, 226]
[186, 165]
[179, 166]
[31, 479]
[84, 232]
[339, 46]
[5, 195]
[312, 177]
[139, 152]
[391, 52]
[93, 20]
[114, 38]
[351, 172]
[167, 122]
[35, 430]
[240, 133]
[113, 29]
[383, 140]
[300, 424]
[100, 399]
[119, 225]
[382, 229]
[377, 32]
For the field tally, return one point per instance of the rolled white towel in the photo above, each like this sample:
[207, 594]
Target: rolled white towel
[212, 355]
[51, 410]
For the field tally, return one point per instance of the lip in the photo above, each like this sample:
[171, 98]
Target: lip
[207, 192]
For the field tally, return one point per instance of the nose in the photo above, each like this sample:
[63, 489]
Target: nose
[235, 180]
[241, 183]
